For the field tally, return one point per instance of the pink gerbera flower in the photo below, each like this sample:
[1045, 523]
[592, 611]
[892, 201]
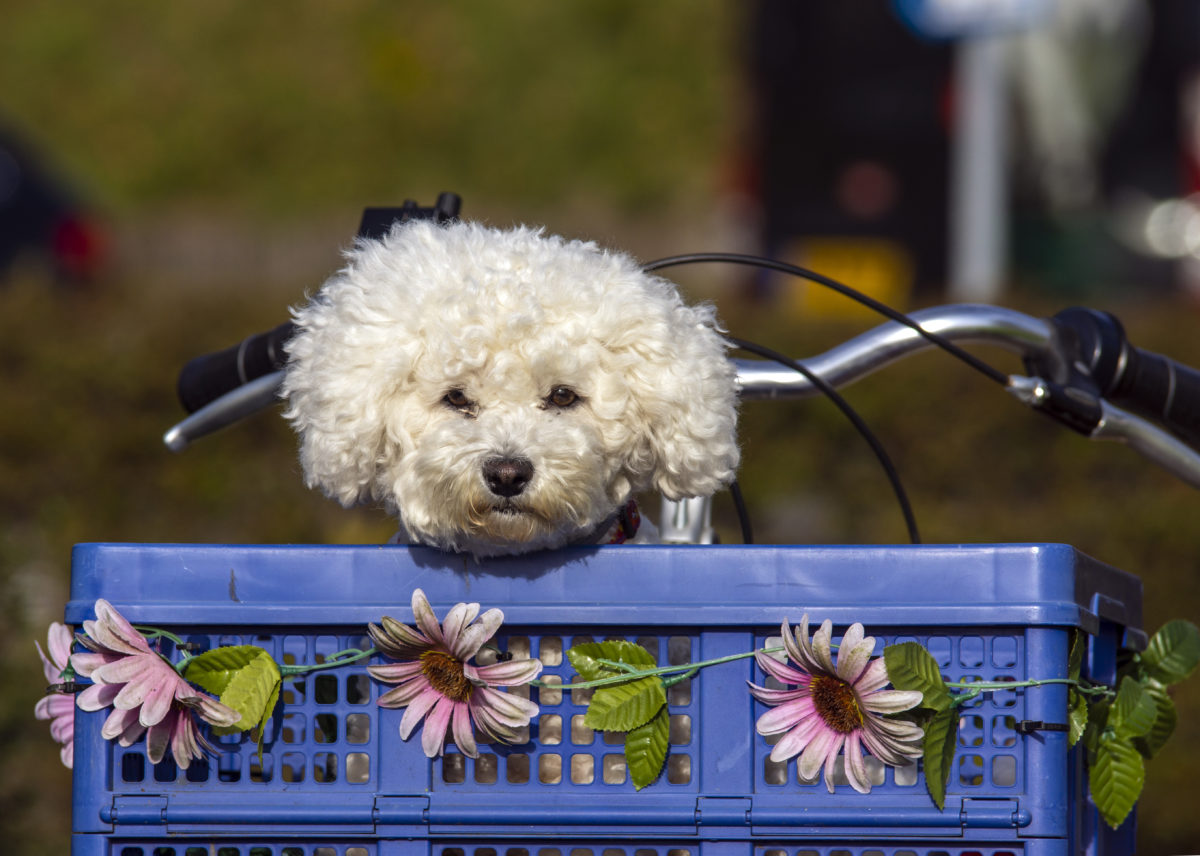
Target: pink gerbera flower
[437, 682]
[830, 708]
[147, 694]
[55, 706]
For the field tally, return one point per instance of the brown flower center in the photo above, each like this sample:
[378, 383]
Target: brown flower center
[836, 703]
[446, 676]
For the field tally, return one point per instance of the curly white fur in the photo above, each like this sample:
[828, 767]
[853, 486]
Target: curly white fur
[442, 348]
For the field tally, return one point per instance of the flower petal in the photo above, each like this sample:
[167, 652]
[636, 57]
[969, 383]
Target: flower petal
[418, 706]
[437, 723]
[426, 619]
[771, 696]
[856, 768]
[156, 704]
[97, 696]
[891, 701]
[459, 616]
[187, 744]
[62, 727]
[111, 630]
[510, 674]
[795, 644]
[873, 677]
[464, 734]
[213, 711]
[893, 730]
[854, 653]
[795, 741]
[132, 668]
[831, 763]
[499, 716]
[781, 672]
[822, 647]
[59, 639]
[471, 640]
[119, 722]
[403, 695]
[158, 738]
[85, 664]
[506, 708]
[779, 719]
[393, 673]
[397, 640]
[824, 742]
[854, 634]
[889, 751]
[53, 705]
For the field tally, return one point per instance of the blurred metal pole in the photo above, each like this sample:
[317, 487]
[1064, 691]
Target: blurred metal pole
[978, 183]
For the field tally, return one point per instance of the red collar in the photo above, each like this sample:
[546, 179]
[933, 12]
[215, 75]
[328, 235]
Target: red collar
[625, 526]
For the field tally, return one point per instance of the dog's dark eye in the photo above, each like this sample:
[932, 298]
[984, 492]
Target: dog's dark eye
[562, 396]
[456, 398]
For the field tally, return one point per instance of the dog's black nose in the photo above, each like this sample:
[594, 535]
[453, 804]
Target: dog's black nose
[507, 476]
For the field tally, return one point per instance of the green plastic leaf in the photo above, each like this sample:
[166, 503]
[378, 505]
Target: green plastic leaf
[624, 707]
[1173, 652]
[941, 737]
[1097, 720]
[1077, 715]
[646, 749]
[911, 667]
[252, 691]
[1116, 779]
[1075, 657]
[587, 656]
[1165, 718]
[1133, 711]
[213, 670]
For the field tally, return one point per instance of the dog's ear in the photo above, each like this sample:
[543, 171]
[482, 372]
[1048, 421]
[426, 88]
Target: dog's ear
[686, 396]
[344, 373]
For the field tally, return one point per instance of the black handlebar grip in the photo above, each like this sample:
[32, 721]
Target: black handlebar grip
[1161, 388]
[208, 377]
[1143, 382]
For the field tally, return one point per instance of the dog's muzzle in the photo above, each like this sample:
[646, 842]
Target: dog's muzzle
[507, 477]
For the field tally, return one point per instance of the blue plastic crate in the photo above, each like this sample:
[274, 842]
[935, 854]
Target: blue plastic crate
[336, 771]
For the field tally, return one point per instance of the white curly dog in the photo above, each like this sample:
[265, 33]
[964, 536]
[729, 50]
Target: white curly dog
[504, 391]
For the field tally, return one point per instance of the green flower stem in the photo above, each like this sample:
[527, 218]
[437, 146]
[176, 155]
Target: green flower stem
[152, 633]
[632, 673]
[333, 661]
[972, 689]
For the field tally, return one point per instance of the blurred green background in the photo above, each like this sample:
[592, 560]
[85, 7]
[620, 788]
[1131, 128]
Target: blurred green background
[229, 149]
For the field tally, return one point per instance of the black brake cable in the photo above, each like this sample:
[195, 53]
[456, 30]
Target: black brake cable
[743, 516]
[845, 290]
[820, 384]
[833, 395]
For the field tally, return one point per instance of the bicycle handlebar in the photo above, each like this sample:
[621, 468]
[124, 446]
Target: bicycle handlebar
[1082, 365]
[208, 377]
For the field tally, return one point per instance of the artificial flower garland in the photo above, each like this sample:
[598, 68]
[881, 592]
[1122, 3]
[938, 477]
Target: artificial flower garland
[824, 708]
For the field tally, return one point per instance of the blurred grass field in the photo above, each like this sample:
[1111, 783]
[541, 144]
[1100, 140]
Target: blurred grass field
[232, 147]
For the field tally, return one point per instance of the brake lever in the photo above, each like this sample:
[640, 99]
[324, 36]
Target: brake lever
[229, 408]
[1099, 419]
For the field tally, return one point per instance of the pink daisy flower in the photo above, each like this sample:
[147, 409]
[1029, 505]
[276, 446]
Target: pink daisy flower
[437, 683]
[831, 708]
[147, 694]
[56, 707]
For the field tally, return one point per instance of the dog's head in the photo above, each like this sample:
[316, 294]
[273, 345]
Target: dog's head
[504, 390]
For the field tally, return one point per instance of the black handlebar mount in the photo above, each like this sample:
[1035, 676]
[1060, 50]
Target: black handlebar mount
[206, 378]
